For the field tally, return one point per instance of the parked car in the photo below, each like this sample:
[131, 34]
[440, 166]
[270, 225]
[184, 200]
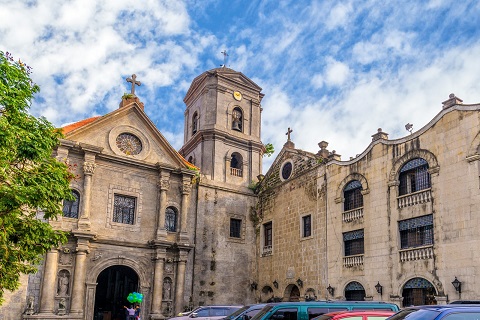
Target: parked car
[312, 309]
[465, 302]
[355, 315]
[437, 312]
[209, 313]
[246, 312]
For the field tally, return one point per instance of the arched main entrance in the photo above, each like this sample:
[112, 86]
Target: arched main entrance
[292, 293]
[418, 291]
[113, 286]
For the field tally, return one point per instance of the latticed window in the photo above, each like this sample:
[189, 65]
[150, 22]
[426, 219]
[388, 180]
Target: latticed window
[354, 291]
[70, 207]
[124, 209]
[414, 176]
[307, 226]
[171, 219]
[353, 242]
[353, 195]
[267, 232]
[235, 227]
[416, 232]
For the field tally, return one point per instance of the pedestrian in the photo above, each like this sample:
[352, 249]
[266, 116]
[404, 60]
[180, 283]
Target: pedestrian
[137, 312]
[131, 313]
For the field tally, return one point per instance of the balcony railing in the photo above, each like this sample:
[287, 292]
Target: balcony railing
[353, 214]
[236, 172]
[267, 251]
[415, 198]
[353, 261]
[421, 253]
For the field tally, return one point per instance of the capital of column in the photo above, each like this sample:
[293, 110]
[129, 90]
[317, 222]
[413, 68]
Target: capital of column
[89, 167]
[164, 180]
[186, 185]
[394, 183]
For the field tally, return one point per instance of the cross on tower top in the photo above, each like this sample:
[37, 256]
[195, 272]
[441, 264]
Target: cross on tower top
[288, 133]
[225, 55]
[134, 82]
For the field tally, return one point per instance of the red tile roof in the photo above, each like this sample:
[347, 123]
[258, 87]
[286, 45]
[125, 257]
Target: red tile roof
[78, 124]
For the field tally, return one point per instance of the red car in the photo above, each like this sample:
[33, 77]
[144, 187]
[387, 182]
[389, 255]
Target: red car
[355, 315]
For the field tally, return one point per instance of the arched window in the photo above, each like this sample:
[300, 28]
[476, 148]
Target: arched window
[237, 119]
[191, 160]
[418, 291]
[171, 219]
[354, 291]
[70, 208]
[194, 123]
[414, 176]
[353, 195]
[236, 163]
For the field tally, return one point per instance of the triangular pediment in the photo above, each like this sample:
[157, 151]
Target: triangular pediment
[288, 164]
[127, 133]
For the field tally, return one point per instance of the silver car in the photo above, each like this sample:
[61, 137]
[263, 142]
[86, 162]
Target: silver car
[208, 313]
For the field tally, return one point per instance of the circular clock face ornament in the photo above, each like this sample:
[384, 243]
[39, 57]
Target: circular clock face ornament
[237, 95]
[129, 144]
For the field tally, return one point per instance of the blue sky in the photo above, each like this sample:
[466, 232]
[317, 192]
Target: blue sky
[331, 70]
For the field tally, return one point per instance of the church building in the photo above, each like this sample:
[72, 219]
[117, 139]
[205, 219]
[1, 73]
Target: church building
[202, 225]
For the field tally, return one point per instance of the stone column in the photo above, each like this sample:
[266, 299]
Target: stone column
[164, 186]
[47, 301]
[79, 285]
[156, 312]
[186, 188]
[88, 170]
[179, 287]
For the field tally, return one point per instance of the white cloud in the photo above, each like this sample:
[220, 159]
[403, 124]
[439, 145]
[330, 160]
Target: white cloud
[339, 16]
[336, 73]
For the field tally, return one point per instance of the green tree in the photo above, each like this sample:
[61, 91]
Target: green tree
[32, 182]
[269, 150]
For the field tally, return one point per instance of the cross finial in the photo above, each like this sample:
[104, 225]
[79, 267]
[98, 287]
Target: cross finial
[288, 133]
[134, 82]
[225, 55]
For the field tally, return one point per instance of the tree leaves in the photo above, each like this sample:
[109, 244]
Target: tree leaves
[32, 182]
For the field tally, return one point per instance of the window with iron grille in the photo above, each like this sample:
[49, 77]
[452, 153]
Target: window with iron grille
[171, 219]
[353, 242]
[235, 227]
[353, 195]
[70, 207]
[416, 232]
[414, 176]
[307, 226]
[267, 232]
[124, 209]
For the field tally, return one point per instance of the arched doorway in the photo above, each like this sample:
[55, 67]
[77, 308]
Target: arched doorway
[292, 293]
[354, 291]
[266, 294]
[418, 291]
[113, 286]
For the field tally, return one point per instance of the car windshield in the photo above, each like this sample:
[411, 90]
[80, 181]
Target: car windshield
[262, 312]
[237, 313]
[415, 314]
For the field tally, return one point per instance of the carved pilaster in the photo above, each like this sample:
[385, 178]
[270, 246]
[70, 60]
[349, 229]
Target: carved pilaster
[89, 168]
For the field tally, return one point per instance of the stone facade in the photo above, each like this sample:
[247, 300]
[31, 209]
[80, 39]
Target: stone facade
[397, 223]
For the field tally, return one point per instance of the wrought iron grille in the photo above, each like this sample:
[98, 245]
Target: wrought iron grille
[307, 226]
[124, 209]
[414, 177]
[353, 195]
[416, 232]
[235, 227]
[353, 242]
[70, 208]
[268, 233]
[171, 219]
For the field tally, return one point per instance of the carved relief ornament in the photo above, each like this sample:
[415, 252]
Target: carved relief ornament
[89, 167]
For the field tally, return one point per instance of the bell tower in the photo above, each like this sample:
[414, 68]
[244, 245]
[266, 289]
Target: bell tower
[223, 126]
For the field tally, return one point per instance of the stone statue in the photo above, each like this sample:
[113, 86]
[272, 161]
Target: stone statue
[63, 283]
[167, 288]
[30, 305]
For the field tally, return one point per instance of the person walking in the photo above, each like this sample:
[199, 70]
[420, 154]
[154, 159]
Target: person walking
[131, 313]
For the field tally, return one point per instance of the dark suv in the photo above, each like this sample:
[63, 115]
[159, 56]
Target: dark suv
[444, 312]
